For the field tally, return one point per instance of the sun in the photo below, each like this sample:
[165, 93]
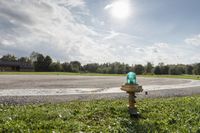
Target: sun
[120, 9]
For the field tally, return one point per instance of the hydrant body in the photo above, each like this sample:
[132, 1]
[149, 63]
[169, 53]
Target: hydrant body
[131, 87]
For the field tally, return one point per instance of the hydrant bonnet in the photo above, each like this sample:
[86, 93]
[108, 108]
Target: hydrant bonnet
[131, 78]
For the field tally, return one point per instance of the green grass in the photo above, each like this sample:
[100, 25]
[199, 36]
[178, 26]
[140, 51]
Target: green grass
[159, 115]
[58, 73]
[195, 77]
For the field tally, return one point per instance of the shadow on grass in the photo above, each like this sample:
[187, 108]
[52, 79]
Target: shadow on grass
[139, 124]
[136, 125]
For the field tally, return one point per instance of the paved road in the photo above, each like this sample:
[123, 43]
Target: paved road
[56, 88]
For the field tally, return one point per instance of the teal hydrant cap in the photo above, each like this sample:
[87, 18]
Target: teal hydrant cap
[131, 73]
[131, 78]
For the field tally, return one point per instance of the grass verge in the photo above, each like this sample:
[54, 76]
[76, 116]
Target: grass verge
[58, 73]
[194, 77]
[159, 115]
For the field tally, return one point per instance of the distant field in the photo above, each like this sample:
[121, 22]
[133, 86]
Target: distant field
[179, 114]
[195, 77]
[58, 73]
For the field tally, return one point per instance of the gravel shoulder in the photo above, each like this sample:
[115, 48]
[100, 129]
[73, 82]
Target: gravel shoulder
[86, 97]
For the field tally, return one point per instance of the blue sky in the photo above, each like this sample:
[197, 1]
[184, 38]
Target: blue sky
[87, 30]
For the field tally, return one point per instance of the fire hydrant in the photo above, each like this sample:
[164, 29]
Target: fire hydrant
[131, 87]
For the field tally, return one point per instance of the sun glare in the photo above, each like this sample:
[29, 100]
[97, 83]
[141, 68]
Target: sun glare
[121, 9]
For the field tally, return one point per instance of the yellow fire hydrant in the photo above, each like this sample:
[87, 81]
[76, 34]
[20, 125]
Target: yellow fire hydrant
[131, 87]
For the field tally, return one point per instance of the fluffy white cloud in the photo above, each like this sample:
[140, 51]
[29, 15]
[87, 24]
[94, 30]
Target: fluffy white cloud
[164, 52]
[195, 40]
[48, 27]
[161, 45]
[51, 27]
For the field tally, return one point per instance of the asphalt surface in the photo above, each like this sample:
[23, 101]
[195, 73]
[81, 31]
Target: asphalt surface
[60, 81]
[22, 89]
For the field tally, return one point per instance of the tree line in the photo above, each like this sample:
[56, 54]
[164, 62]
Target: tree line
[43, 63]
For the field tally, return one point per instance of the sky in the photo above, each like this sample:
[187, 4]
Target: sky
[129, 31]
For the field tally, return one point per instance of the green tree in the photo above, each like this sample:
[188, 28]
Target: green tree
[189, 69]
[196, 69]
[24, 60]
[139, 69]
[176, 70]
[124, 68]
[8, 57]
[66, 67]
[56, 67]
[47, 63]
[157, 70]
[92, 67]
[39, 63]
[148, 67]
[172, 70]
[164, 69]
[75, 66]
[33, 56]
